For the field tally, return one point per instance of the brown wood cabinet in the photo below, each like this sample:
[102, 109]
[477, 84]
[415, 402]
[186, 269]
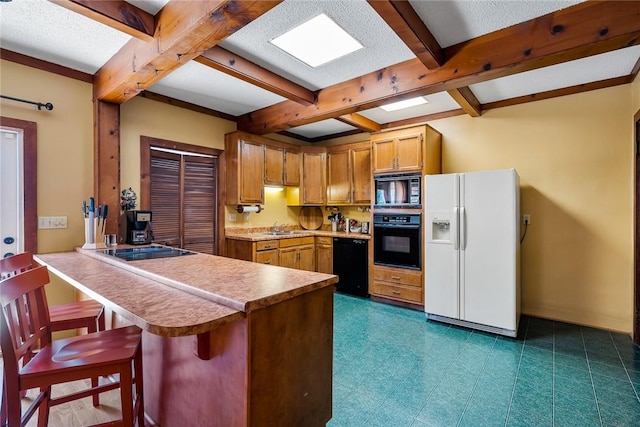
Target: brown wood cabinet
[398, 284]
[399, 150]
[324, 254]
[338, 178]
[245, 169]
[313, 179]
[298, 253]
[282, 166]
[263, 252]
[349, 174]
[361, 175]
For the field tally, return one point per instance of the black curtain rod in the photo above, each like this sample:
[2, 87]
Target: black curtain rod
[47, 106]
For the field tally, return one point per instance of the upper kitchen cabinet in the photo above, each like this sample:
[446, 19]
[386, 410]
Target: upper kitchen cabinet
[349, 174]
[415, 149]
[313, 178]
[282, 165]
[245, 169]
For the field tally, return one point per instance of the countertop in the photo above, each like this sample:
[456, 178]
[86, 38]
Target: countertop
[182, 295]
[257, 236]
[155, 308]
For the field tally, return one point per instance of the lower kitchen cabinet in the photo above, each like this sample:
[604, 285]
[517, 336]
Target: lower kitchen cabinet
[267, 252]
[324, 255]
[264, 252]
[298, 253]
[398, 284]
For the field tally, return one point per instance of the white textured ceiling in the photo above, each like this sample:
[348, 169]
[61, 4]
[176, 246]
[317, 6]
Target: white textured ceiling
[49, 32]
[453, 22]
[594, 68]
[46, 31]
[382, 47]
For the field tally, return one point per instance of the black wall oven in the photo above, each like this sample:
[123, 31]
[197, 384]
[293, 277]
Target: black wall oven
[396, 240]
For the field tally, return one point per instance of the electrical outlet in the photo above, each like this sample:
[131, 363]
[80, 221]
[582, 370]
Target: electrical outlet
[526, 219]
[232, 217]
[45, 222]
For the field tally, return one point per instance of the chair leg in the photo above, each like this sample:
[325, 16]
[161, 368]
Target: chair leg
[3, 405]
[91, 328]
[139, 406]
[101, 322]
[43, 411]
[126, 397]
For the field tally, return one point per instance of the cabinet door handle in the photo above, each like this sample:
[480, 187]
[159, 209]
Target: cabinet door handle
[395, 292]
[395, 277]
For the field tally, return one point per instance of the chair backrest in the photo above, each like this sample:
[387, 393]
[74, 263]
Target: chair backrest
[24, 323]
[15, 264]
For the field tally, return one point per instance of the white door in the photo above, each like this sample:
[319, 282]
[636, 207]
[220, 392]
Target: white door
[441, 245]
[11, 192]
[488, 239]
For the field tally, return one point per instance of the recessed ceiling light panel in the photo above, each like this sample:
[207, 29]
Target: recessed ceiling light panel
[404, 104]
[317, 41]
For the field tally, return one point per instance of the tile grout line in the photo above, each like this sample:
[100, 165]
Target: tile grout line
[593, 385]
[475, 385]
[624, 366]
[434, 387]
[553, 376]
[438, 383]
[515, 379]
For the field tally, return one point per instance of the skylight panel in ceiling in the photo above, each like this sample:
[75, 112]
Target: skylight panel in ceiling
[317, 41]
[406, 103]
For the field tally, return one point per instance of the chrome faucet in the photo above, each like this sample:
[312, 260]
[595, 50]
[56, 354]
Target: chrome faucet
[275, 227]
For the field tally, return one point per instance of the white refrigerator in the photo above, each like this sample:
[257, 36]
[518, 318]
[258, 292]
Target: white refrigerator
[472, 250]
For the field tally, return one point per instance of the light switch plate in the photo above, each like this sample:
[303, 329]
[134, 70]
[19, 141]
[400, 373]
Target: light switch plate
[46, 222]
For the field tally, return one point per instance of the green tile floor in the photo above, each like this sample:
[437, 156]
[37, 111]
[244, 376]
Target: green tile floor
[393, 368]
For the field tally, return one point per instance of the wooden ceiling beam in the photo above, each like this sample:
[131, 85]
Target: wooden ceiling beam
[570, 90]
[407, 24]
[185, 29]
[117, 14]
[467, 100]
[360, 122]
[240, 68]
[576, 32]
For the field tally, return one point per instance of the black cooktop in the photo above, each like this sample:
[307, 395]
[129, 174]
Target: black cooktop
[146, 252]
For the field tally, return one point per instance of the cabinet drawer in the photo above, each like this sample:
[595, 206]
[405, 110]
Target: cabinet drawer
[296, 241]
[399, 276]
[267, 257]
[266, 245]
[404, 293]
[324, 240]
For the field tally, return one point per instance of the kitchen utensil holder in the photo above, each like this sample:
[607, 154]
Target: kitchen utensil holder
[93, 234]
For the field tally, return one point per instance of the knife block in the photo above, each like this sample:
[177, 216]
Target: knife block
[93, 235]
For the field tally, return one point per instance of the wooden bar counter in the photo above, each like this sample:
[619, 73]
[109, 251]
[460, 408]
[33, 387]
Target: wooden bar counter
[225, 342]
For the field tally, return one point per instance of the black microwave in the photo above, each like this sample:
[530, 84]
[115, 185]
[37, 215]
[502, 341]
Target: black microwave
[398, 191]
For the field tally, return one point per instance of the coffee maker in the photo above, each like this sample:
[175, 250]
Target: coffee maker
[139, 228]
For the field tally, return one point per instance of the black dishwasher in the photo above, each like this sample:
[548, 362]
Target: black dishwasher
[351, 265]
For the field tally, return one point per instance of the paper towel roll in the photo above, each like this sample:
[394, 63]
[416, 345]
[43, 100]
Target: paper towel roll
[246, 209]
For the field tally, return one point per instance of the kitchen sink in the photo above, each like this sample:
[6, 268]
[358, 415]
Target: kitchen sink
[283, 233]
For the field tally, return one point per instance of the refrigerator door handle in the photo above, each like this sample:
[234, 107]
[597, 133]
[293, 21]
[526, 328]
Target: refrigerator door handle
[455, 228]
[463, 231]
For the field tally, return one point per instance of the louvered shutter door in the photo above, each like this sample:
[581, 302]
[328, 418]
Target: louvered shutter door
[199, 207]
[165, 197]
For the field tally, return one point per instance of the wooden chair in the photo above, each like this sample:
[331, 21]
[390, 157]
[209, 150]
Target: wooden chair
[25, 324]
[74, 315]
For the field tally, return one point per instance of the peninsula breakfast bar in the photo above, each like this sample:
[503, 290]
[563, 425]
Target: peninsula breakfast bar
[225, 342]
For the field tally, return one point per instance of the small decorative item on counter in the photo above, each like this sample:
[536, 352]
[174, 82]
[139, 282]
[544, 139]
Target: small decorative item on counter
[337, 221]
[128, 199]
[354, 227]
